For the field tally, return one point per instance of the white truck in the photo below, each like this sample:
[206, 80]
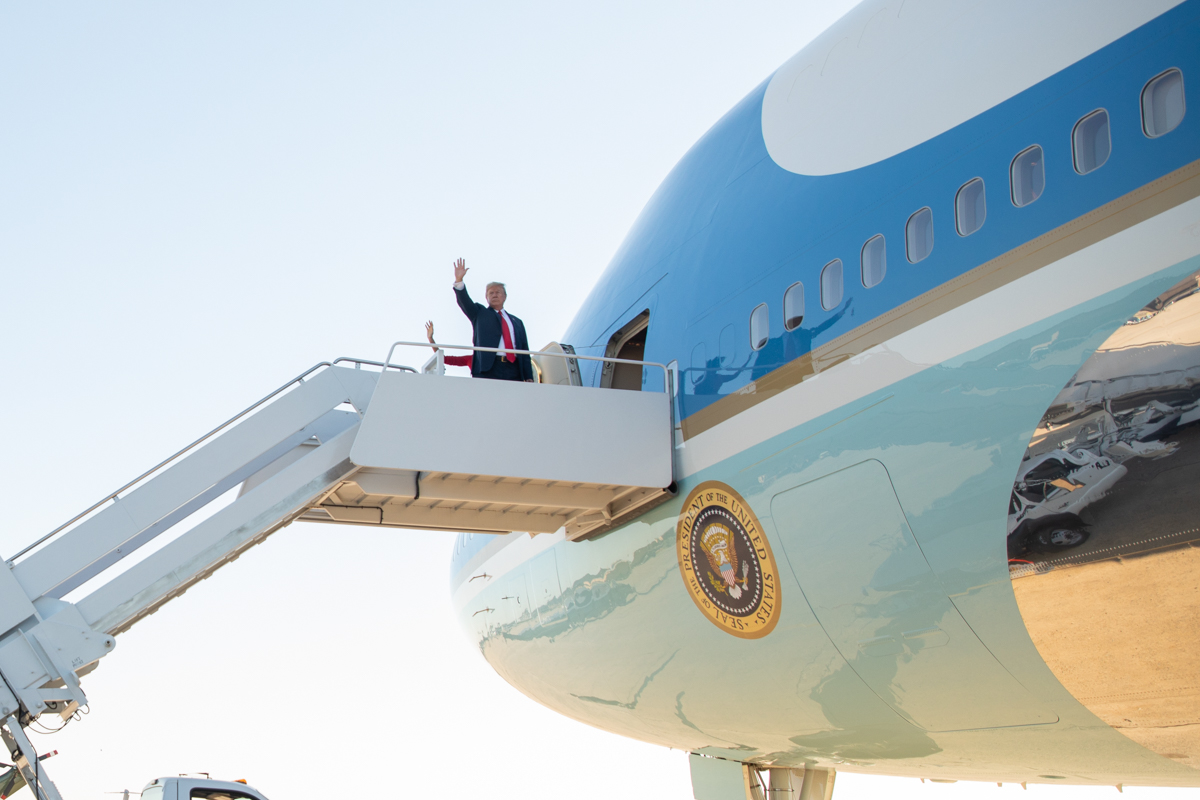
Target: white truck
[187, 788]
[181, 787]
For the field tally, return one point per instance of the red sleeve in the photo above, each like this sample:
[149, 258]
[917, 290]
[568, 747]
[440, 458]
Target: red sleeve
[457, 361]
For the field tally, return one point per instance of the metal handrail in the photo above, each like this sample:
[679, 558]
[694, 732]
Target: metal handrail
[387, 364]
[114, 495]
[360, 361]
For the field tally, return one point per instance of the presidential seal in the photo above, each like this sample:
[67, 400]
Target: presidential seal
[726, 561]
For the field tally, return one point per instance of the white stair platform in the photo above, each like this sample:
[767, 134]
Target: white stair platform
[463, 454]
[341, 444]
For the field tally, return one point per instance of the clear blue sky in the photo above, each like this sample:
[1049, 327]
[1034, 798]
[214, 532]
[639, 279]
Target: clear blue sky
[199, 201]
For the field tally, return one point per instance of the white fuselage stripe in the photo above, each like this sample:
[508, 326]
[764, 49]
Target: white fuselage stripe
[1125, 257]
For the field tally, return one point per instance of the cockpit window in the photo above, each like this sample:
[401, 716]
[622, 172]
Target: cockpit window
[760, 328]
[831, 285]
[793, 306]
[874, 261]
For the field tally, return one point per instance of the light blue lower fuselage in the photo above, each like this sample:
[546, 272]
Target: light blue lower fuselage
[929, 416]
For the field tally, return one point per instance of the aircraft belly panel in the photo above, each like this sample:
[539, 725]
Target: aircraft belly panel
[885, 610]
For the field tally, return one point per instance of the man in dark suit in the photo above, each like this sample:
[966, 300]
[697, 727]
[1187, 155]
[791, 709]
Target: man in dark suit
[493, 327]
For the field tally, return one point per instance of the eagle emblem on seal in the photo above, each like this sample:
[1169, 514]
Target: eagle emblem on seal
[726, 561]
[717, 543]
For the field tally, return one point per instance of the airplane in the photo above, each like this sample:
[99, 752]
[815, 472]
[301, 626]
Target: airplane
[928, 519]
[927, 297]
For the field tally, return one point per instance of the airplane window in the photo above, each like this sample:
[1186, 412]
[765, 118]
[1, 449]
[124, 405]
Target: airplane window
[698, 365]
[1027, 176]
[970, 207]
[831, 284]
[918, 235]
[1091, 142]
[725, 346]
[759, 326]
[793, 306]
[874, 260]
[1163, 104]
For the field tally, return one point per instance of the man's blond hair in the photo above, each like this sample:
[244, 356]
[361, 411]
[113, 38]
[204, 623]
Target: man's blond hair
[495, 283]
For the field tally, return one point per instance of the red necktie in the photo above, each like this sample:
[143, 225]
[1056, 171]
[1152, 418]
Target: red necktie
[508, 345]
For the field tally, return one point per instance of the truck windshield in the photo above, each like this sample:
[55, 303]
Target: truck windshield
[222, 794]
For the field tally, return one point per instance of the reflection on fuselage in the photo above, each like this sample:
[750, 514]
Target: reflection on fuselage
[1102, 528]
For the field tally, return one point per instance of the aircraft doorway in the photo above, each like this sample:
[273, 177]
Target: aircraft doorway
[628, 342]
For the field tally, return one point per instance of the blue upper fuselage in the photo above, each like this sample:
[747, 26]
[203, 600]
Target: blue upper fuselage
[730, 229]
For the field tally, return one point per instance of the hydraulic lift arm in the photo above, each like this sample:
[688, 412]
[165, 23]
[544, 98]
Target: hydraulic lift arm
[298, 445]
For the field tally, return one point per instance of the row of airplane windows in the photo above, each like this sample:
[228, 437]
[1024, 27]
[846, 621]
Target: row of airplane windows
[1163, 107]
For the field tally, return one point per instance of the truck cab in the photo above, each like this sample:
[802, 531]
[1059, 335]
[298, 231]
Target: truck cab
[186, 788]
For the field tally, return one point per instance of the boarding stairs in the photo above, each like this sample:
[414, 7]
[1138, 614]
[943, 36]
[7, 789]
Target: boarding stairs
[350, 441]
[391, 447]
